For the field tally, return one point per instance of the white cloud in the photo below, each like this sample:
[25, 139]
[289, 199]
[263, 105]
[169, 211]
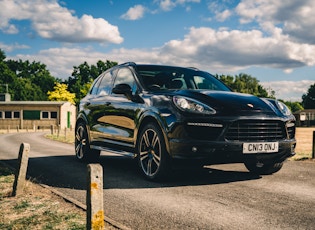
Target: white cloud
[52, 21]
[9, 48]
[238, 49]
[134, 13]
[296, 17]
[205, 48]
[289, 90]
[167, 5]
[222, 16]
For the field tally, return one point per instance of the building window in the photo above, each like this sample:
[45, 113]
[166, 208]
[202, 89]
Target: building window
[53, 115]
[45, 115]
[10, 114]
[16, 114]
[48, 115]
[7, 114]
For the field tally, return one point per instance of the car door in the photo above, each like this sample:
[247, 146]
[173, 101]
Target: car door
[97, 106]
[116, 116]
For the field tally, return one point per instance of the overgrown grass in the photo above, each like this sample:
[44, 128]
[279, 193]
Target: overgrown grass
[68, 138]
[37, 208]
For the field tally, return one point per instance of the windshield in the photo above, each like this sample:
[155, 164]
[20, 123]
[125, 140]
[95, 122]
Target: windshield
[157, 78]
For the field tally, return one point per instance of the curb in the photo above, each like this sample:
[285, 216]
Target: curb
[71, 200]
[83, 206]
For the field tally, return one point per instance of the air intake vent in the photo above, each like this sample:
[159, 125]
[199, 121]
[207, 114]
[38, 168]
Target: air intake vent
[256, 131]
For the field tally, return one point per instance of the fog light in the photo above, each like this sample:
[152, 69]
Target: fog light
[194, 149]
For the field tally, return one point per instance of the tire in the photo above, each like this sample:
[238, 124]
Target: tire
[83, 151]
[263, 169]
[153, 159]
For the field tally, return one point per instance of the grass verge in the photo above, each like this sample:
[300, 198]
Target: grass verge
[37, 208]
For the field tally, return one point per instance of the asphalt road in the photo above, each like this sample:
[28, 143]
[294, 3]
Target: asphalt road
[220, 197]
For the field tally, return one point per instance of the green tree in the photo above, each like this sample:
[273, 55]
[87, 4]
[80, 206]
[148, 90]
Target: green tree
[244, 83]
[61, 93]
[27, 81]
[294, 106]
[308, 99]
[83, 75]
[36, 72]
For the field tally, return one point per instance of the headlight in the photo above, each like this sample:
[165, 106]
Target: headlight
[283, 108]
[190, 105]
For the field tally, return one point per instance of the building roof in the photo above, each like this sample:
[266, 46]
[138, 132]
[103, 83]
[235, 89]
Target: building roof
[33, 102]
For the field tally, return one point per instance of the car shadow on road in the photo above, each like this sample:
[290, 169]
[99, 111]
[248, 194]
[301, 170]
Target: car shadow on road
[123, 173]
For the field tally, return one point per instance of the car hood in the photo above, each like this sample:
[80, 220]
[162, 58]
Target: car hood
[231, 102]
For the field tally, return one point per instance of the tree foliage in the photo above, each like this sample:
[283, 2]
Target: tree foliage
[84, 74]
[61, 93]
[308, 99]
[27, 81]
[294, 106]
[244, 83]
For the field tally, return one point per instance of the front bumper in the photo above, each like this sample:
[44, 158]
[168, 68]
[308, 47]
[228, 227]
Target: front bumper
[219, 152]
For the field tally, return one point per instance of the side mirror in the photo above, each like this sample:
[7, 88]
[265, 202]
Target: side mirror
[122, 89]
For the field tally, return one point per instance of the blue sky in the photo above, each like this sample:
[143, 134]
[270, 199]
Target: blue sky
[273, 41]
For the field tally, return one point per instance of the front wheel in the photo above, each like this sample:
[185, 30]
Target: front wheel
[153, 158]
[83, 151]
[263, 168]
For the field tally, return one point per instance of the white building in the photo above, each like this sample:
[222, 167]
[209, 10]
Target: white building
[38, 114]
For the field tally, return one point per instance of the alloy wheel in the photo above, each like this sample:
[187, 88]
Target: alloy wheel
[150, 152]
[80, 142]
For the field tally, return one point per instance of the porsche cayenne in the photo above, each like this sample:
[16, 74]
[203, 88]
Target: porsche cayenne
[161, 115]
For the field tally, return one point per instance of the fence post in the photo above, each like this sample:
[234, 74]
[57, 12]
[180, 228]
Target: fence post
[20, 175]
[94, 198]
[52, 129]
[313, 150]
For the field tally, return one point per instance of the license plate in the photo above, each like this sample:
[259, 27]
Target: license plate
[261, 147]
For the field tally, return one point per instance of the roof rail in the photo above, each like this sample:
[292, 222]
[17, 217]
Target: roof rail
[194, 68]
[128, 63]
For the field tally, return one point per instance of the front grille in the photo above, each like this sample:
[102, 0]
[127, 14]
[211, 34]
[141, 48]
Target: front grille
[256, 131]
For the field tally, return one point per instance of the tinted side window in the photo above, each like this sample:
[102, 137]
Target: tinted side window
[94, 88]
[105, 84]
[125, 76]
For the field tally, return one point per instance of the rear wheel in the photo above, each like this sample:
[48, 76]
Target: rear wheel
[83, 151]
[263, 168]
[153, 158]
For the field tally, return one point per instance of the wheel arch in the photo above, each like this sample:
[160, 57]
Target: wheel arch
[153, 118]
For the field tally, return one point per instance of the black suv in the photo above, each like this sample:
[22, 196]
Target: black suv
[166, 114]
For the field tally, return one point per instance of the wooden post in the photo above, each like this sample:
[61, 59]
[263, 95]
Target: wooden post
[94, 198]
[51, 129]
[313, 150]
[20, 175]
